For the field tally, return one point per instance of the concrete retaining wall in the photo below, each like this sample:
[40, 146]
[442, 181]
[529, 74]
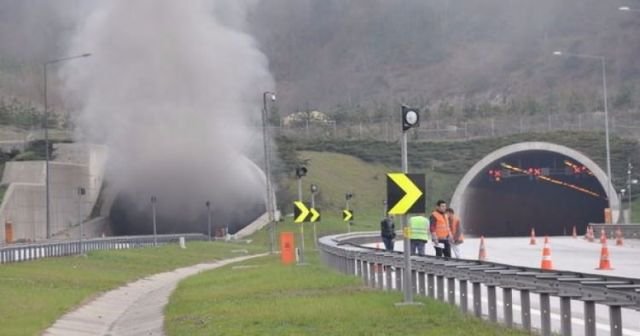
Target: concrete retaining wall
[24, 203]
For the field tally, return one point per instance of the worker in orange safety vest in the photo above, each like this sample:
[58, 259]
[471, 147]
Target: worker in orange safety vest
[456, 233]
[440, 232]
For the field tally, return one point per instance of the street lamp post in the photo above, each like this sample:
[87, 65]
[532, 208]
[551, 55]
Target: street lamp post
[153, 215]
[209, 219]
[630, 181]
[267, 168]
[606, 114]
[46, 136]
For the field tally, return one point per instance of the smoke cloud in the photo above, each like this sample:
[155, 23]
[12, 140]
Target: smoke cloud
[174, 89]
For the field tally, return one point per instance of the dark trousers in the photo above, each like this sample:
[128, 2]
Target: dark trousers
[446, 251]
[388, 243]
[417, 246]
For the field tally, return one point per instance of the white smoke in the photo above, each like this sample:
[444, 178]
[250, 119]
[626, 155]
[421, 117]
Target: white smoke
[174, 88]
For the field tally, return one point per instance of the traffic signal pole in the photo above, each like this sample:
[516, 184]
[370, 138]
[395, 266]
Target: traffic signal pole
[407, 281]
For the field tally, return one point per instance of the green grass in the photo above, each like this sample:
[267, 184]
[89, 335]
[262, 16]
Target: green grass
[34, 294]
[273, 299]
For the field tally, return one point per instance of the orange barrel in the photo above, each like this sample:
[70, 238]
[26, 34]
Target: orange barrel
[287, 248]
[8, 232]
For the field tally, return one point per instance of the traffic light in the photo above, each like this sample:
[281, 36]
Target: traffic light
[410, 118]
[301, 171]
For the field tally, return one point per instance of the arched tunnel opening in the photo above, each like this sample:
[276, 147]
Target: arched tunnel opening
[127, 217]
[546, 190]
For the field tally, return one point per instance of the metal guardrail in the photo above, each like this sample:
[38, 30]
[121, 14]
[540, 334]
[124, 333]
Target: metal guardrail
[377, 269]
[25, 252]
[627, 230]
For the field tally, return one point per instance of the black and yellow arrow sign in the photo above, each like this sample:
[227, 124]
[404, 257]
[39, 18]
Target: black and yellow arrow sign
[300, 212]
[314, 215]
[405, 193]
[347, 215]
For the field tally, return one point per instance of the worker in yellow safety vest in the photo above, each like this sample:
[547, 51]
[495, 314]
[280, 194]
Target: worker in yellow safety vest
[440, 232]
[419, 234]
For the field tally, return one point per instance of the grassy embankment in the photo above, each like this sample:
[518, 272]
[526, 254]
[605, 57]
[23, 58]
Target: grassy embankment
[267, 298]
[35, 293]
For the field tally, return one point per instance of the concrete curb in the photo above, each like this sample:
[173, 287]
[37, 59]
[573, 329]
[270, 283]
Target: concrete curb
[134, 309]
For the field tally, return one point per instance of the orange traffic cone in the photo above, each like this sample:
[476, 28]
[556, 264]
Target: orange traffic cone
[604, 258]
[619, 238]
[590, 234]
[574, 234]
[532, 241]
[603, 236]
[546, 264]
[482, 254]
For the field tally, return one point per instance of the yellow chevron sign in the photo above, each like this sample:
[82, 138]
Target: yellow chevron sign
[405, 193]
[315, 215]
[300, 212]
[347, 215]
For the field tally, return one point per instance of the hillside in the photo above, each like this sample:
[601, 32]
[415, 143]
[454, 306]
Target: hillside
[358, 59]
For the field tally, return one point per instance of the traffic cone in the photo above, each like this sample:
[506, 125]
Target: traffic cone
[603, 236]
[482, 254]
[604, 258]
[619, 238]
[532, 241]
[574, 234]
[590, 234]
[546, 263]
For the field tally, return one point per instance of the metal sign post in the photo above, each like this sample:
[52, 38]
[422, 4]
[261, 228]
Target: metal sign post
[314, 190]
[301, 224]
[407, 283]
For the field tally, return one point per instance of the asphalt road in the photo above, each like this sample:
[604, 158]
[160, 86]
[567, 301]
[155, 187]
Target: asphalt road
[567, 253]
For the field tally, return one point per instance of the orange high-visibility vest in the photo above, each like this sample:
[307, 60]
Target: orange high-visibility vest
[454, 226]
[441, 225]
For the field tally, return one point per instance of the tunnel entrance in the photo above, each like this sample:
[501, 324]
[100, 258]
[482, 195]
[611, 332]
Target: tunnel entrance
[532, 185]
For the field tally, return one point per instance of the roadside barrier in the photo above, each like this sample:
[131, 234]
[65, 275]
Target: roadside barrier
[546, 263]
[619, 238]
[532, 241]
[605, 264]
[482, 253]
[25, 252]
[462, 278]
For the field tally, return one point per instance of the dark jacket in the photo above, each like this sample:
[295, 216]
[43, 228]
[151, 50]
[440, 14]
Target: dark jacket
[387, 228]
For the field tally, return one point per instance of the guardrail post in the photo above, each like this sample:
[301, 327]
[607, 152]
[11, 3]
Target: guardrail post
[431, 285]
[359, 267]
[365, 271]
[398, 278]
[525, 306]
[421, 283]
[380, 275]
[491, 293]
[463, 295]
[589, 318]
[440, 285]
[565, 315]
[615, 320]
[414, 284]
[388, 277]
[372, 274]
[451, 290]
[545, 314]
[477, 300]
[507, 300]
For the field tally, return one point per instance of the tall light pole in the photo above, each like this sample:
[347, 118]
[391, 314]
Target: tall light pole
[606, 114]
[267, 169]
[208, 204]
[630, 181]
[153, 215]
[45, 68]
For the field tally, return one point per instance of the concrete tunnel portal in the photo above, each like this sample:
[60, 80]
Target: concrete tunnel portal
[533, 185]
